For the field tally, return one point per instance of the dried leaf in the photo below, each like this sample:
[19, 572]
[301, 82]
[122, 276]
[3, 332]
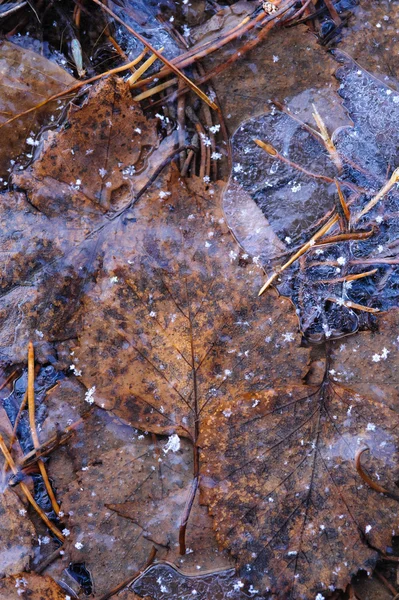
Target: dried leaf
[368, 362]
[27, 79]
[32, 586]
[280, 480]
[183, 316]
[17, 534]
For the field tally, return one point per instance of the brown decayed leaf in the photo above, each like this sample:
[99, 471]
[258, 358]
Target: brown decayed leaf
[185, 327]
[49, 260]
[91, 160]
[32, 586]
[372, 39]
[369, 361]
[16, 534]
[126, 495]
[26, 79]
[279, 477]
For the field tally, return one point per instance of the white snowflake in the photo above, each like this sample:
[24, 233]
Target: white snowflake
[172, 444]
[89, 395]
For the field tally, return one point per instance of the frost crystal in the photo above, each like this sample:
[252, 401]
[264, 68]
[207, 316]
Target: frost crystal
[214, 128]
[216, 156]
[78, 545]
[89, 395]
[370, 427]
[173, 443]
[368, 528]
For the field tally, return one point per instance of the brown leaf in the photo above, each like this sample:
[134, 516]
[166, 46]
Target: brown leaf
[89, 164]
[280, 479]
[26, 79]
[368, 362]
[17, 534]
[185, 326]
[32, 586]
[53, 242]
[126, 495]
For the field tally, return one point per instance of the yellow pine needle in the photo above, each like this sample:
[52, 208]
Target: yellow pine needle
[155, 90]
[27, 493]
[166, 62]
[350, 304]
[144, 67]
[32, 423]
[342, 200]
[325, 136]
[383, 191]
[301, 251]
[348, 277]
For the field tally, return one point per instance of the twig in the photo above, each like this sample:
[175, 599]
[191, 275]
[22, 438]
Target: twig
[144, 67]
[353, 277]
[186, 514]
[375, 486]
[48, 560]
[27, 493]
[171, 66]
[350, 304]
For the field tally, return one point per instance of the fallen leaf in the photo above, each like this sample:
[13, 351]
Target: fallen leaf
[368, 362]
[32, 586]
[281, 483]
[127, 494]
[182, 310]
[17, 534]
[27, 79]
[53, 241]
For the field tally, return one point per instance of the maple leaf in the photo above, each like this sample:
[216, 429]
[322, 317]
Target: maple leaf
[280, 479]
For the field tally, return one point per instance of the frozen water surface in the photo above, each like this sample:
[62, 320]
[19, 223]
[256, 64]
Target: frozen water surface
[296, 202]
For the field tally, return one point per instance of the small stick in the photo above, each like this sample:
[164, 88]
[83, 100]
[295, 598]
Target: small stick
[49, 445]
[275, 154]
[7, 381]
[186, 514]
[27, 493]
[343, 208]
[383, 191]
[346, 237]
[301, 251]
[47, 561]
[171, 66]
[350, 304]
[32, 423]
[375, 486]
